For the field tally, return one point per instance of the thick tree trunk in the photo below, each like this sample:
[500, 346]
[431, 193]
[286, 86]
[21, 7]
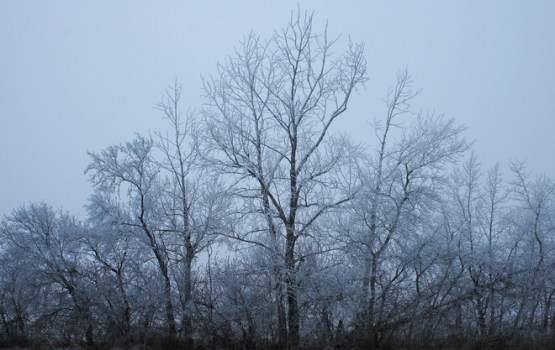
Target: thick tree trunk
[281, 312]
[372, 334]
[186, 322]
[170, 318]
[291, 284]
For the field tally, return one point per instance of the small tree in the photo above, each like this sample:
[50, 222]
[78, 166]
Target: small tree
[533, 219]
[48, 243]
[130, 168]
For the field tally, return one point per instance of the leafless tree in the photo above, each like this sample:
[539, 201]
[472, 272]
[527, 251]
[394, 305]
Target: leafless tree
[130, 169]
[533, 220]
[194, 208]
[48, 244]
[399, 188]
[268, 123]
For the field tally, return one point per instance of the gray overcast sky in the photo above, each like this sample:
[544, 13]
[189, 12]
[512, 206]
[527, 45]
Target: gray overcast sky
[82, 75]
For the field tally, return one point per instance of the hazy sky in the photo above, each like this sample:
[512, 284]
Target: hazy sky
[83, 75]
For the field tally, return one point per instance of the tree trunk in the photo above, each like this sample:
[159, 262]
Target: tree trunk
[282, 319]
[169, 305]
[291, 285]
[186, 322]
[372, 334]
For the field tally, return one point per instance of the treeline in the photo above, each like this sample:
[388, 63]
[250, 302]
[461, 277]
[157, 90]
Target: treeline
[251, 224]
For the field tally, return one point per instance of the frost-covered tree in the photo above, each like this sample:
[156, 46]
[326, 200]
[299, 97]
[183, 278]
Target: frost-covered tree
[476, 220]
[533, 226]
[129, 190]
[194, 207]
[44, 246]
[400, 186]
[267, 127]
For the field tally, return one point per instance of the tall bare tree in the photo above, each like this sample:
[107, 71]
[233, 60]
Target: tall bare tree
[193, 206]
[399, 189]
[270, 111]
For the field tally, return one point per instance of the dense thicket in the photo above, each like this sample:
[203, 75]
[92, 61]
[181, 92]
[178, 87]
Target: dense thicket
[253, 225]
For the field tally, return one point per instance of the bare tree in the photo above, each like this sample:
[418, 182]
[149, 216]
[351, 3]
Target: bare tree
[130, 169]
[398, 192]
[194, 207]
[533, 220]
[112, 266]
[48, 243]
[270, 110]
